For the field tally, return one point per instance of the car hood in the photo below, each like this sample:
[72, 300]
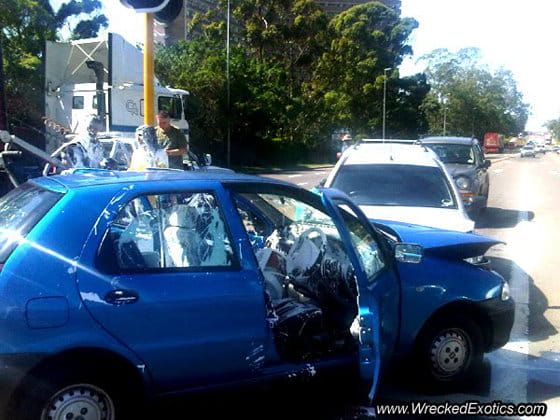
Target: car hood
[456, 169]
[449, 219]
[439, 242]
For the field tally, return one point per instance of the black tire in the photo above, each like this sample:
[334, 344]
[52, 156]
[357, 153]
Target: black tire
[449, 351]
[54, 394]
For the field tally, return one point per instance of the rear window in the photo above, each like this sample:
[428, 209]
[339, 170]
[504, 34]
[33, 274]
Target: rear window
[20, 210]
[395, 185]
[454, 153]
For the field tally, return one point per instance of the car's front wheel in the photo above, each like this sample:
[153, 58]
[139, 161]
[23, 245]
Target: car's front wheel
[450, 351]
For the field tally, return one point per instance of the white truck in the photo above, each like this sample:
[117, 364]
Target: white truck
[103, 76]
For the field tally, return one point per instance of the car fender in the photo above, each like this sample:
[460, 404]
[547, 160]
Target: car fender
[436, 282]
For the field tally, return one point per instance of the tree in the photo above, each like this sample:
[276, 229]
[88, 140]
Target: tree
[406, 118]
[294, 77]
[86, 12]
[364, 40]
[554, 127]
[472, 99]
[26, 25]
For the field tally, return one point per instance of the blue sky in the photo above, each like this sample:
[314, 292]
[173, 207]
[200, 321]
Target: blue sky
[519, 35]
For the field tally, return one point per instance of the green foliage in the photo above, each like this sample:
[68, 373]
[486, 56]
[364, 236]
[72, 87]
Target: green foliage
[554, 127]
[295, 77]
[472, 99]
[349, 80]
[25, 26]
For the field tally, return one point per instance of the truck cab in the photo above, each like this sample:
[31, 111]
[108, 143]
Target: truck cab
[78, 73]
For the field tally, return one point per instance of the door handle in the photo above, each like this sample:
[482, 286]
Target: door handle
[121, 297]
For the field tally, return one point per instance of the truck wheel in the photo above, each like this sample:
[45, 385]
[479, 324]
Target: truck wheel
[72, 395]
[450, 351]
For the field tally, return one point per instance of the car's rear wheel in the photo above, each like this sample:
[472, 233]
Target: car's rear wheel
[450, 351]
[79, 401]
[74, 394]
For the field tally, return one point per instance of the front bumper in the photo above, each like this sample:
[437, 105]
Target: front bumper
[473, 202]
[501, 315]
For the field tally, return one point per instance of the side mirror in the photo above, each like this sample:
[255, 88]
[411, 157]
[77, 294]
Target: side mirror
[409, 253]
[486, 164]
[207, 159]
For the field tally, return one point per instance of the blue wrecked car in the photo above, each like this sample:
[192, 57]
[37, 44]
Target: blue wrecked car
[120, 286]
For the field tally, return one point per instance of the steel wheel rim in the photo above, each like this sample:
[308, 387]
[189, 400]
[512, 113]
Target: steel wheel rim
[450, 352]
[79, 402]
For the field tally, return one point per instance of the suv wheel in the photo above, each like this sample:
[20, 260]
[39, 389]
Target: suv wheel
[450, 351]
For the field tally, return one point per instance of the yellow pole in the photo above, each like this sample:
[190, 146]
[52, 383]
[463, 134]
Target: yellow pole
[149, 113]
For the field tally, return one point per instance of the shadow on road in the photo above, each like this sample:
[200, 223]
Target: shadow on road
[496, 218]
[539, 327]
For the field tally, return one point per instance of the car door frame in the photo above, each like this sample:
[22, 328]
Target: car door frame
[370, 317]
[248, 362]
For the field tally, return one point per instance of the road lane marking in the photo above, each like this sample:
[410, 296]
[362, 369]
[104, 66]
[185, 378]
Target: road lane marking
[497, 171]
[302, 183]
[294, 175]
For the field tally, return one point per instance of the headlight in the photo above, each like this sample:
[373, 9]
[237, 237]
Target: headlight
[505, 291]
[480, 261]
[476, 260]
[462, 182]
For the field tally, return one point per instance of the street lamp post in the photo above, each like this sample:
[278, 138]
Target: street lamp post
[444, 101]
[384, 98]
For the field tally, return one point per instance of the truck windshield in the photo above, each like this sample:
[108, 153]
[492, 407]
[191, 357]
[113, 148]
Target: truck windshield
[20, 210]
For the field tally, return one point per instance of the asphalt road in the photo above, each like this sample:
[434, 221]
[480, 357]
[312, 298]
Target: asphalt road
[524, 212]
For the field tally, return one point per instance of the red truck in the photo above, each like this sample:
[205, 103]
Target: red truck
[494, 143]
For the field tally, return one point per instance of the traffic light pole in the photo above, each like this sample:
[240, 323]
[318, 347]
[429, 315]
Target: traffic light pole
[149, 113]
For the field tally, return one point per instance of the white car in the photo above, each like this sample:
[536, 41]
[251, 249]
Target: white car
[528, 150]
[400, 182]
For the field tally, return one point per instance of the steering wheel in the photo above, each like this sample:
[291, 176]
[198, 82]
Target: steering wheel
[305, 252]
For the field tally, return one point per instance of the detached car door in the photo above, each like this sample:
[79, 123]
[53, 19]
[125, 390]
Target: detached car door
[379, 288]
[168, 283]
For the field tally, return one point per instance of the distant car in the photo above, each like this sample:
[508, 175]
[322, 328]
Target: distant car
[464, 159]
[115, 286]
[401, 182]
[539, 148]
[528, 150]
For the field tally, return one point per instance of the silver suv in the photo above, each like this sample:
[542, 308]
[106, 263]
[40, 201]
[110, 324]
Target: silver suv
[464, 159]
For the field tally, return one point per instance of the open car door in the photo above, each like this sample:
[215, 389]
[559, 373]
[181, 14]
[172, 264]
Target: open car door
[367, 256]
